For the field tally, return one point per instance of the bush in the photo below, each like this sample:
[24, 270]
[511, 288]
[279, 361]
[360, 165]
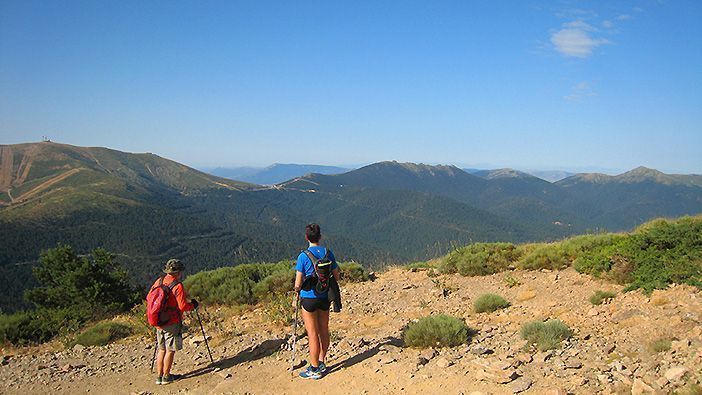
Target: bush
[237, 285]
[436, 331]
[660, 345]
[489, 303]
[480, 259]
[103, 333]
[599, 296]
[511, 282]
[546, 335]
[39, 326]
[549, 256]
[93, 284]
[73, 290]
[352, 272]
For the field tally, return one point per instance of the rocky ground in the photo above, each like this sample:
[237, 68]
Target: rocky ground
[610, 351]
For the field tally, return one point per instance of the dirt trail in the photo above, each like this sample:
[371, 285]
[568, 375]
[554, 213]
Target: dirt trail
[6, 162]
[46, 184]
[609, 352]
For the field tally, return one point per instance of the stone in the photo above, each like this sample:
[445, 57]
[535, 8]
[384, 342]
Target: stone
[573, 364]
[480, 350]
[675, 373]
[555, 391]
[488, 372]
[428, 354]
[526, 295]
[444, 362]
[640, 387]
[543, 356]
[78, 348]
[386, 360]
[525, 358]
[521, 384]
[195, 340]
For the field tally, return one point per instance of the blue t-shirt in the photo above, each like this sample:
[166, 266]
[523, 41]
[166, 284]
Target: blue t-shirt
[306, 267]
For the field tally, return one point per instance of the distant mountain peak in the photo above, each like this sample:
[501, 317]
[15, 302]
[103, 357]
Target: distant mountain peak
[502, 173]
[417, 168]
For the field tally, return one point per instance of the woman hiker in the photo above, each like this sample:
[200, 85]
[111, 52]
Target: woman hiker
[315, 303]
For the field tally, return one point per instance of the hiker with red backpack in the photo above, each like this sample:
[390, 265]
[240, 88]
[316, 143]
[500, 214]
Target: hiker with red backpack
[317, 273]
[165, 304]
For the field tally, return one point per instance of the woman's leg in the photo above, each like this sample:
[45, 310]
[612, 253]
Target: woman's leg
[310, 320]
[323, 330]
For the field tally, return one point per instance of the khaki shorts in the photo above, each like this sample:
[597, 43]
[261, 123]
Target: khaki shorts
[170, 337]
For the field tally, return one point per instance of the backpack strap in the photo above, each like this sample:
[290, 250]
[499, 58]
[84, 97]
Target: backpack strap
[313, 259]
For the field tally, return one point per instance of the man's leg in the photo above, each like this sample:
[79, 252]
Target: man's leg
[323, 332]
[168, 362]
[159, 361]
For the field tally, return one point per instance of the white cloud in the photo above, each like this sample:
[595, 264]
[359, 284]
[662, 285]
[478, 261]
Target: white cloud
[624, 17]
[580, 91]
[607, 24]
[575, 39]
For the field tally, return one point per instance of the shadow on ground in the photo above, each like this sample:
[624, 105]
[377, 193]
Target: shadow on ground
[265, 349]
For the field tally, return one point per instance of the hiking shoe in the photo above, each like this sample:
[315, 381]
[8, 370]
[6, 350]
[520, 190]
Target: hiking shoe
[159, 379]
[311, 373]
[170, 378]
[322, 368]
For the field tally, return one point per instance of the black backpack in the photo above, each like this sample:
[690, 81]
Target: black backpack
[322, 271]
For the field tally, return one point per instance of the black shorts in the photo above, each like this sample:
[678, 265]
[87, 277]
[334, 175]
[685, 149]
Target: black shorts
[314, 304]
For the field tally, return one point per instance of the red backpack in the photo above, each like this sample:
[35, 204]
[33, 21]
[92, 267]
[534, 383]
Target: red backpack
[157, 311]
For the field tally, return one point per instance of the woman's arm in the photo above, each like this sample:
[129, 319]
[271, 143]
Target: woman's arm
[298, 281]
[337, 274]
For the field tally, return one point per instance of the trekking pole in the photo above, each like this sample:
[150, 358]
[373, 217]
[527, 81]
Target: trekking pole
[153, 358]
[296, 300]
[204, 336]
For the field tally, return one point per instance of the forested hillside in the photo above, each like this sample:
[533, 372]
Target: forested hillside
[147, 209]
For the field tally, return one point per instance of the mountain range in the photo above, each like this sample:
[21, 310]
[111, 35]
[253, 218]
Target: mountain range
[273, 174]
[147, 209]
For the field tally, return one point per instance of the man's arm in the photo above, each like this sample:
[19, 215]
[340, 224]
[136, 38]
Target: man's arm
[181, 298]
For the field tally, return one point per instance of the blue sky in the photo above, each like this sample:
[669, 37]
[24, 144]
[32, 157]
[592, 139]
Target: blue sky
[526, 84]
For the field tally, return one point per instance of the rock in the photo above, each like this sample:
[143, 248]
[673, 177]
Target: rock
[543, 356]
[640, 387]
[5, 360]
[66, 368]
[625, 315]
[494, 374]
[555, 391]
[195, 340]
[675, 373]
[480, 350]
[78, 348]
[525, 358]
[573, 364]
[526, 295]
[520, 385]
[444, 362]
[609, 348]
[428, 354]
[386, 360]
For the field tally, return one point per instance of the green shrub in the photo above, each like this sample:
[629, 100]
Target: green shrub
[549, 256]
[480, 259]
[352, 272]
[546, 335]
[511, 282]
[660, 345]
[93, 284]
[237, 285]
[103, 333]
[436, 331]
[39, 326]
[417, 265]
[599, 296]
[73, 289]
[489, 303]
